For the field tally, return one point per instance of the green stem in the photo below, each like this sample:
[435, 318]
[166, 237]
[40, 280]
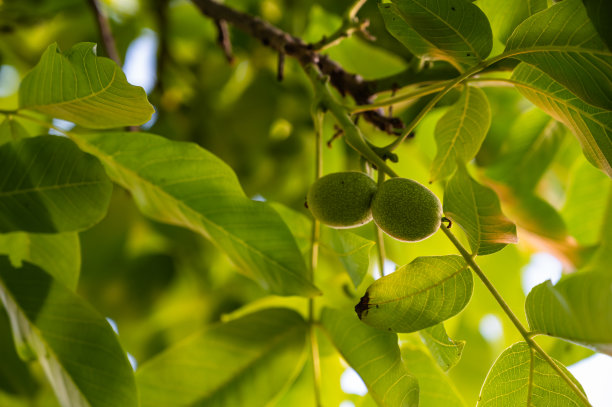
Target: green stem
[8, 112]
[427, 90]
[519, 326]
[352, 133]
[449, 85]
[317, 117]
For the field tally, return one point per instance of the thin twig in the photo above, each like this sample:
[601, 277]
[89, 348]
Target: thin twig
[280, 69]
[105, 32]
[515, 321]
[224, 40]
[280, 41]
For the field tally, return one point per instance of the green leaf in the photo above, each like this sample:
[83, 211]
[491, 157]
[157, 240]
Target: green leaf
[444, 350]
[599, 11]
[562, 42]
[375, 356]
[75, 345]
[452, 30]
[506, 15]
[436, 389]
[183, 184]
[244, 362]
[534, 142]
[537, 216]
[58, 254]
[352, 250]
[591, 125]
[418, 295]
[47, 185]
[578, 308]
[460, 132]
[15, 377]
[83, 88]
[520, 377]
[476, 209]
[12, 130]
[587, 193]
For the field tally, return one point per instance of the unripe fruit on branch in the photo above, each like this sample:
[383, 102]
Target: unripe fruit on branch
[406, 210]
[342, 199]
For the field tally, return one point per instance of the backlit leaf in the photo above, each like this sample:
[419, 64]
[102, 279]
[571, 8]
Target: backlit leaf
[452, 30]
[591, 125]
[375, 355]
[435, 387]
[460, 132]
[476, 209]
[443, 349]
[418, 295]
[520, 377]
[535, 139]
[47, 185]
[506, 15]
[185, 185]
[562, 42]
[578, 308]
[244, 362]
[75, 346]
[12, 130]
[59, 254]
[83, 88]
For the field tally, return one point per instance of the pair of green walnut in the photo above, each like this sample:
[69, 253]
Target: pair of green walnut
[402, 208]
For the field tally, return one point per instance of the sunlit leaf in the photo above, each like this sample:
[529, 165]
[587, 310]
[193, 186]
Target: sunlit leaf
[74, 344]
[185, 185]
[578, 308]
[435, 387]
[47, 185]
[352, 249]
[245, 362]
[520, 377]
[460, 132]
[59, 254]
[375, 355]
[418, 295]
[83, 88]
[587, 193]
[443, 349]
[476, 209]
[562, 42]
[534, 141]
[12, 130]
[452, 30]
[506, 15]
[591, 125]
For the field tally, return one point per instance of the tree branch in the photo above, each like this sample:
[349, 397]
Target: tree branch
[105, 32]
[285, 43]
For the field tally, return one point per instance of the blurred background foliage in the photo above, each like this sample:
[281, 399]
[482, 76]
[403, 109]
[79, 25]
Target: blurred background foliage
[161, 283]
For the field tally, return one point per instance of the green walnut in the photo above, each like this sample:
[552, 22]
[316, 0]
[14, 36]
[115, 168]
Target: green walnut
[342, 199]
[406, 210]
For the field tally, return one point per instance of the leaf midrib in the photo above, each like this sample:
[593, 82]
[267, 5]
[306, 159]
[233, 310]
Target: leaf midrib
[109, 158]
[413, 294]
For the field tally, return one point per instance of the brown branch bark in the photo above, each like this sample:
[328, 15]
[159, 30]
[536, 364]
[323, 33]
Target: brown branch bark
[284, 43]
[105, 32]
